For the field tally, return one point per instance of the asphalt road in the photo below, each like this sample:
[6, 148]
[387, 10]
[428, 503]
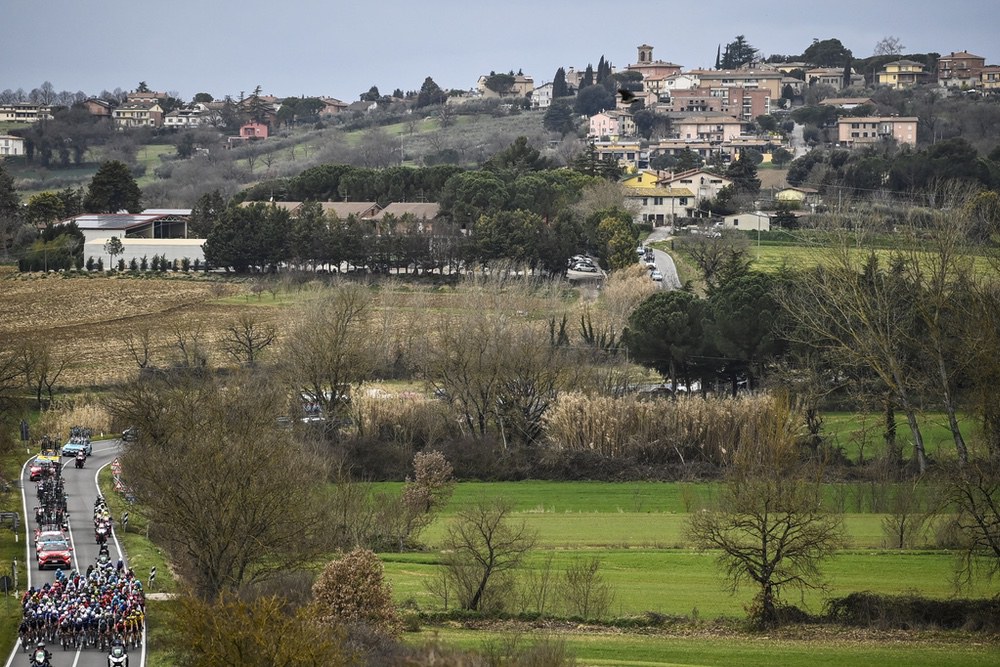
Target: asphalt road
[81, 489]
[664, 262]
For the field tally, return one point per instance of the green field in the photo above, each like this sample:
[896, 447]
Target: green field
[702, 648]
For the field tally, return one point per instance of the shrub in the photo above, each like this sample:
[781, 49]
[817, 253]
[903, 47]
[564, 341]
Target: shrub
[353, 591]
[872, 610]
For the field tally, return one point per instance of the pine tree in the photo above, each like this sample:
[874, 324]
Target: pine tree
[559, 87]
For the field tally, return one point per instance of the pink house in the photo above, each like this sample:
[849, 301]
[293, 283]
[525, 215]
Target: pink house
[253, 131]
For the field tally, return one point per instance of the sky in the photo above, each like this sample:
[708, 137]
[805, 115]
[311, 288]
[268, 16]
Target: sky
[340, 49]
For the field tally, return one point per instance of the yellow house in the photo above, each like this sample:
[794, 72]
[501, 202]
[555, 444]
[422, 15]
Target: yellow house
[798, 197]
[644, 179]
[901, 74]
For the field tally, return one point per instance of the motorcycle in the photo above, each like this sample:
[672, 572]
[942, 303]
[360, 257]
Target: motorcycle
[40, 657]
[81, 458]
[118, 656]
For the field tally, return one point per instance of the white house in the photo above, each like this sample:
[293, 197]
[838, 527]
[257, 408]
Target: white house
[11, 145]
[541, 96]
[754, 221]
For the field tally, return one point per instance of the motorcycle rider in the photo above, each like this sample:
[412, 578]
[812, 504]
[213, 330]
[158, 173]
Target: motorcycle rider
[81, 458]
[40, 657]
[117, 656]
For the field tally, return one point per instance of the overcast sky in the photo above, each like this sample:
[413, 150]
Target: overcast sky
[340, 49]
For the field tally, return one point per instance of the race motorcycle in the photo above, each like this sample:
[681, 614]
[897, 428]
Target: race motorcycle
[118, 656]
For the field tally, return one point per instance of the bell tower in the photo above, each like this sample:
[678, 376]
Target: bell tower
[645, 54]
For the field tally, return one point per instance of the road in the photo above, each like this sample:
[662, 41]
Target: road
[81, 489]
[664, 262]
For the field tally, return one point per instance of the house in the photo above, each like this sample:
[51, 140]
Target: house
[798, 197]
[744, 103]
[901, 74]
[652, 69]
[253, 131]
[612, 124]
[23, 112]
[541, 98]
[703, 185]
[989, 78]
[757, 221]
[331, 106]
[665, 85]
[960, 70]
[362, 106]
[659, 206]
[644, 179]
[848, 103]
[345, 209]
[422, 214]
[523, 86]
[630, 155]
[716, 127]
[867, 130]
[743, 78]
[194, 115]
[139, 114]
[99, 108]
[148, 97]
[834, 76]
[11, 145]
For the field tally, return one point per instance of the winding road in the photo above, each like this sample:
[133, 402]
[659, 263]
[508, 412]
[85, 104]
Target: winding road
[664, 262]
[81, 489]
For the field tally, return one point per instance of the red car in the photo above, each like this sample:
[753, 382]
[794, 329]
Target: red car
[54, 554]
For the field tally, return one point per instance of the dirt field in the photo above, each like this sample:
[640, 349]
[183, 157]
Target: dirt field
[88, 317]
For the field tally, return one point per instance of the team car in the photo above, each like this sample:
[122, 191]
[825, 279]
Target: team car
[42, 464]
[54, 554]
[75, 446]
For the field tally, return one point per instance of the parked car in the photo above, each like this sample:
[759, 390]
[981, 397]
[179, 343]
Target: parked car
[584, 268]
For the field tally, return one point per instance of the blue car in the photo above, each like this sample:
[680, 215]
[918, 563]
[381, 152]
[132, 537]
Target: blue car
[75, 446]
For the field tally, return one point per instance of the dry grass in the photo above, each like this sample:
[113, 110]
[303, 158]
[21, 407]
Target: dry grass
[688, 429]
[84, 411]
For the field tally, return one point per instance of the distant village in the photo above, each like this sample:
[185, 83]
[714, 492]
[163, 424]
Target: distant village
[713, 114]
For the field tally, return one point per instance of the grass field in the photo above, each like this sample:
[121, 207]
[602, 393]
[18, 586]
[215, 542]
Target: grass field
[702, 648]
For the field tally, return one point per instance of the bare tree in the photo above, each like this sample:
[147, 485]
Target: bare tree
[585, 592]
[138, 344]
[190, 346]
[232, 498]
[482, 548]
[331, 351]
[715, 256]
[974, 491]
[246, 339]
[769, 525]
[861, 314]
[888, 46]
[40, 367]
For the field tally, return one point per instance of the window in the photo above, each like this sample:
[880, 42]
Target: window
[736, 222]
[683, 201]
[658, 201]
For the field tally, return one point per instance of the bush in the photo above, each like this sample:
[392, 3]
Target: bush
[909, 612]
[353, 591]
